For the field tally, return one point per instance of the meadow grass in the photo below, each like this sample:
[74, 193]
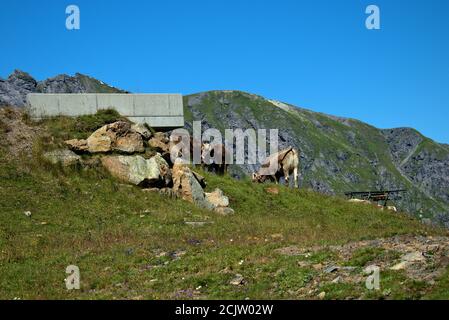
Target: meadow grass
[131, 244]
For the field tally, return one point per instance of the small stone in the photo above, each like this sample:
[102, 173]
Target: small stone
[414, 257]
[195, 223]
[225, 211]
[317, 266]
[331, 269]
[348, 268]
[337, 280]
[28, 214]
[400, 266]
[175, 255]
[322, 295]
[238, 280]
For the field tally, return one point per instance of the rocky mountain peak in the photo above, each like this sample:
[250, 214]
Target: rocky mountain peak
[61, 84]
[14, 89]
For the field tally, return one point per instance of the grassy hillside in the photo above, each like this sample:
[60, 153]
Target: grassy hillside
[337, 154]
[139, 245]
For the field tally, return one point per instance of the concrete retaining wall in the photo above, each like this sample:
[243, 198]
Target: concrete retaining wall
[157, 110]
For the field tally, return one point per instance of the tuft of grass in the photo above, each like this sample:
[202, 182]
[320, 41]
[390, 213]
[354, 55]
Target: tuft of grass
[364, 256]
[63, 128]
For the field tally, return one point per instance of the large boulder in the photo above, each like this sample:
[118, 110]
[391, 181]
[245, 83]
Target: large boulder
[187, 186]
[138, 170]
[130, 143]
[64, 157]
[118, 136]
[100, 141]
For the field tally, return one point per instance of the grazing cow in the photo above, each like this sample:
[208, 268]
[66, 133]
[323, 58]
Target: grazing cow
[287, 163]
[213, 156]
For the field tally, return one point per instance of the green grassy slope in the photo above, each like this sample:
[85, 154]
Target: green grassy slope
[134, 244]
[93, 85]
[338, 155]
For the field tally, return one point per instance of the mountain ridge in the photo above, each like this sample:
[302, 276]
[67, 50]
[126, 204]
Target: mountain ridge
[14, 89]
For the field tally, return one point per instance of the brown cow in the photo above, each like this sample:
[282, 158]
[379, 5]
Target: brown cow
[213, 156]
[287, 163]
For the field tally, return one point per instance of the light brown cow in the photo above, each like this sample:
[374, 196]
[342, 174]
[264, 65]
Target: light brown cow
[287, 163]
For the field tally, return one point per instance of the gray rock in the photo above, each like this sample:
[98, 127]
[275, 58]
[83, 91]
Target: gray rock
[138, 170]
[64, 157]
[238, 280]
[14, 89]
[61, 84]
[331, 269]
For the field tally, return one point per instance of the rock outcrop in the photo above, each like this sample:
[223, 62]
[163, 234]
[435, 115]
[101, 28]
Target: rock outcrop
[14, 89]
[188, 187]
[118, 136]
[153, 174]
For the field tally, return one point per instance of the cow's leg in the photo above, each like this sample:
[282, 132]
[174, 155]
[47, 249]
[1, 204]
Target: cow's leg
[287, 177]
[295, 176]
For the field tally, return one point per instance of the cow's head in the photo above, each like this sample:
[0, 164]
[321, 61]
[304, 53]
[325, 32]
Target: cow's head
[257, 177]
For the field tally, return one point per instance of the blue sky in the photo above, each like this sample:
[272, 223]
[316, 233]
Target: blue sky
[315, 54]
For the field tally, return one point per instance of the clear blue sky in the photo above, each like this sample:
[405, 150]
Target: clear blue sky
[315, 54]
